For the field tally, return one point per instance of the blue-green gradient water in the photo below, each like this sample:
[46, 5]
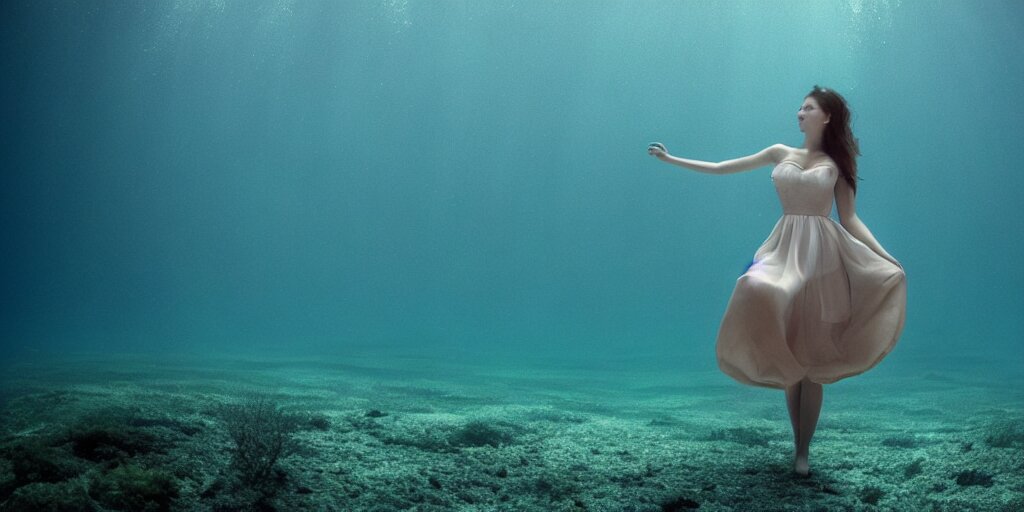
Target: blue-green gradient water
[470, 179]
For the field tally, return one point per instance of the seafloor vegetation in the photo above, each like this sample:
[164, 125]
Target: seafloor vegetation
[141, 436]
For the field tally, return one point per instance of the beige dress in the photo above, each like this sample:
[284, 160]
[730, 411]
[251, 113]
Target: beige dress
[816, 302]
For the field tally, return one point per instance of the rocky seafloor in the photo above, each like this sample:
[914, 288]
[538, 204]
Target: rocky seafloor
[380, 434]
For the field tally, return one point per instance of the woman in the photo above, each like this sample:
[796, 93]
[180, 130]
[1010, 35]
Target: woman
[821, 301]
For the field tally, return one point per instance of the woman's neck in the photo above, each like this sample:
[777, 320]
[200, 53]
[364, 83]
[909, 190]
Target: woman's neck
[812, 144]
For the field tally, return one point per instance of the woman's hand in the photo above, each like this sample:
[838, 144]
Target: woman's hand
[892, 260]
[657, 149]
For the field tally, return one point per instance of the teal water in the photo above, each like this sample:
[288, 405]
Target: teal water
[461, 177]
[461, 181]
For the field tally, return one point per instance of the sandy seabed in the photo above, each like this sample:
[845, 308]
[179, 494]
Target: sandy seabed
[415, 433]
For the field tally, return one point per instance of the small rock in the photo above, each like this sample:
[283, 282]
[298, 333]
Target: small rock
[679, 504]
[973, 477]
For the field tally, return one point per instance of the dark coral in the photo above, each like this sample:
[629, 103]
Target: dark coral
[480, 433]
[130, 487]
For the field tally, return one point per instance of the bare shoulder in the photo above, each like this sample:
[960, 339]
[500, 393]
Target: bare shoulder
[825, 160]
[769, 155]
[772, 154]
[779, 152]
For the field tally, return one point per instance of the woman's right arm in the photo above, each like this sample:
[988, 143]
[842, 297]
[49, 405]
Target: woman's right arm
[770, 155]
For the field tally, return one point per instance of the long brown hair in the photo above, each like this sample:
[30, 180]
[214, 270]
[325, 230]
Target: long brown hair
[838, 141]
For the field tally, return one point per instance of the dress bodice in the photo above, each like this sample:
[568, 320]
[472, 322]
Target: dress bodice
[805, 191]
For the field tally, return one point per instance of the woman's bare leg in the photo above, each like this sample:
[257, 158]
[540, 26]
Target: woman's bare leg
[793, 404]
[803, 400]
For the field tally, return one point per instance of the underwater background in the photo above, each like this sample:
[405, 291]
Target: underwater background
[428, 234]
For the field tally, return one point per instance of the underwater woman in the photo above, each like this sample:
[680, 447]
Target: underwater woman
[821, 300]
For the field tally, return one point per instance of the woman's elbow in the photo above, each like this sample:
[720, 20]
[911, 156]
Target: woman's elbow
[848, 220]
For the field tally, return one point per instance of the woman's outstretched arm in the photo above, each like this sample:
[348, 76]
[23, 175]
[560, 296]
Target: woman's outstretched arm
[847, 210]
[767, 156]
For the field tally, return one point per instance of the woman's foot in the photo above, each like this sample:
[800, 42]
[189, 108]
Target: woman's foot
[801, 466]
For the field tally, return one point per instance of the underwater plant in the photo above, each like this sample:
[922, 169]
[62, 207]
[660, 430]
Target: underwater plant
[262, 434]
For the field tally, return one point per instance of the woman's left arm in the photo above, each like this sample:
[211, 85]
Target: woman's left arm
[845, 206]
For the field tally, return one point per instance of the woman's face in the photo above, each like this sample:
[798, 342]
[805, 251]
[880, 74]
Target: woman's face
[811, 116]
